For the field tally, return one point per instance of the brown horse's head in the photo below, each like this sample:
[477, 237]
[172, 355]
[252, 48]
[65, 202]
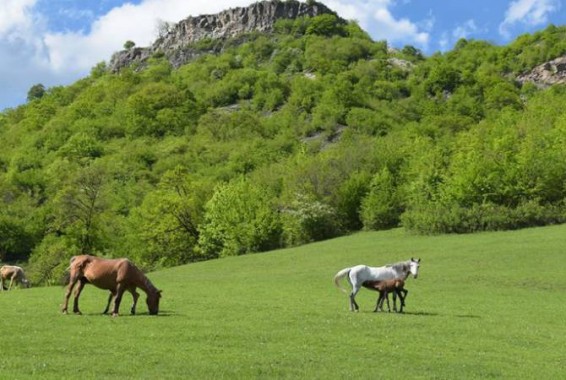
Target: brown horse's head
[153, 302]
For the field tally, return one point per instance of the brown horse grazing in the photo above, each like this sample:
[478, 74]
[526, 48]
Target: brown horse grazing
[115, 275]
[15, 274]
[384, 287]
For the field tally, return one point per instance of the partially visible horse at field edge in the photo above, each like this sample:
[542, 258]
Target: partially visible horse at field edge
[359, 274]
[114, 275]
[15, 274]
[396, 286]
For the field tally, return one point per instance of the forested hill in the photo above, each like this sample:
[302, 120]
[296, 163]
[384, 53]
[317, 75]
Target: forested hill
[263, 140]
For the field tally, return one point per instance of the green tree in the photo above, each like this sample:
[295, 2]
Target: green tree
[240, 218]
[129, 44]
[381, 207]
[79, 207]
[164, 229]
[37, 91]
[325, 25]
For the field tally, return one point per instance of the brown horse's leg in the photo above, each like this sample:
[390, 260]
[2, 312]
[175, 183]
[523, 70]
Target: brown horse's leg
[73, 280]
[78, 291]
[135, 295]
[108, 304]
[119, 293]
[11, 282]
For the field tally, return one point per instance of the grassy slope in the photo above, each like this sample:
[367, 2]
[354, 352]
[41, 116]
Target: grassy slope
[485, 305]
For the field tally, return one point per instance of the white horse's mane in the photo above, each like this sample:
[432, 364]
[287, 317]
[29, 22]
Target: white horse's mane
[399, 265]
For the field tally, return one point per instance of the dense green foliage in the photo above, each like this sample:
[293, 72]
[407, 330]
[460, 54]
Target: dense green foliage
[485, 306]
[278, 140]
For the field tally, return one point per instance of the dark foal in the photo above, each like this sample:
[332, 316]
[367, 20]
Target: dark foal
[396, 286]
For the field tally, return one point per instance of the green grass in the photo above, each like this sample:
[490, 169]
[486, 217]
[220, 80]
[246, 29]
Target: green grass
[488, 305]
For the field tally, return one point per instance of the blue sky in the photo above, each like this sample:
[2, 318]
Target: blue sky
[56, 42]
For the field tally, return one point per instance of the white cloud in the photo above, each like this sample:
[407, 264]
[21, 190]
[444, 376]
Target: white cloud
[14, 15]
[127, 22]
[465, 30]
[375, 17]
[401, 30]
[528, 12]
[30, 53]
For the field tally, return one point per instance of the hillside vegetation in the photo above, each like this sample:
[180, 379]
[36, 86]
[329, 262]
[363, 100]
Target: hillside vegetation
[271, 141]
[486, 305]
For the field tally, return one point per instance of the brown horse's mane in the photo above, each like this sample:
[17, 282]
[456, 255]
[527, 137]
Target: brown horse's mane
[146, 282]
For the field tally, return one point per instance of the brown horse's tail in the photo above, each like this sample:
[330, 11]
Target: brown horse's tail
[67, 275]
[340, 275]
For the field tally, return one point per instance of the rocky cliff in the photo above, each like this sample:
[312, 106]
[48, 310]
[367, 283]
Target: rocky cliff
[259, 17]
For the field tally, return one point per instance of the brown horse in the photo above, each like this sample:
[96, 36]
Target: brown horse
[384, 287]
[115, 275]
[15, 274]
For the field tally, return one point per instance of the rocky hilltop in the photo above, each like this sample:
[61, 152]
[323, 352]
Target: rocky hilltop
[230, 23]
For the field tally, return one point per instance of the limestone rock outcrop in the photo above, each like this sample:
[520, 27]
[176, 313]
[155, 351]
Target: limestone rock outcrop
[258, 17]
[547, 74]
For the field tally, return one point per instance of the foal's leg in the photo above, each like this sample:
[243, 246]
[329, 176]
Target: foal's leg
[402, 296]
[395, 293]
[398, 293]
[404, 291]
[378, 301]
[386, 297]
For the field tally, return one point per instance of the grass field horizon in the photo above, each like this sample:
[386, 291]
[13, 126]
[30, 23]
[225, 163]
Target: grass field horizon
[486, 305]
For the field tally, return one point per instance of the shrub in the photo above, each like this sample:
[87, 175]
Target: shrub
[307, 220]
[50, 259]
[436, 218]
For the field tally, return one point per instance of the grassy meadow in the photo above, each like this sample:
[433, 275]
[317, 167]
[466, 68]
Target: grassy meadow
[489, 305]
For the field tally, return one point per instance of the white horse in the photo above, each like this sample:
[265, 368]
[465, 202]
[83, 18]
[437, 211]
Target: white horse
[15, 274]
[361, 273]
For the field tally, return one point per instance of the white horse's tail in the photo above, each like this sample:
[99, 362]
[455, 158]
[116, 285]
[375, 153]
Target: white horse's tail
[340, 275]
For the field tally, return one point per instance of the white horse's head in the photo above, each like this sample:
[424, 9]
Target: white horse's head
[26, 283]
[414, 267]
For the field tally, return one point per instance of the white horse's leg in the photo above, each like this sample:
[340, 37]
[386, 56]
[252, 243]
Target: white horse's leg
[353, 305]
